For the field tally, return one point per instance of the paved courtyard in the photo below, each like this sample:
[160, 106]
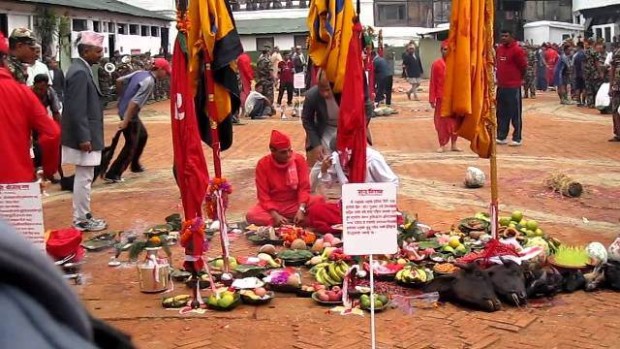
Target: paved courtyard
[557, 138]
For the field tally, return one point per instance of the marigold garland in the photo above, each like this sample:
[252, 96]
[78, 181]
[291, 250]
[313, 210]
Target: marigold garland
[217, 185]
[190, 227]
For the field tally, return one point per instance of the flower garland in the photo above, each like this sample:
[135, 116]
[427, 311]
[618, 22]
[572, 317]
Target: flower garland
[190, 227]
[216, 185]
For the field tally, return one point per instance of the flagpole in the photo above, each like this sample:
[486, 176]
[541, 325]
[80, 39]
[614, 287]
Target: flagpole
[217, 162]
[492, 124]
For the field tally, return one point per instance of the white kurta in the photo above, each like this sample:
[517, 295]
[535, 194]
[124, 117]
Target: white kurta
[377, 171]
[77, 157]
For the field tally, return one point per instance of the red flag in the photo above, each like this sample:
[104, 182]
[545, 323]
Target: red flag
[189, 161]
[352, 121]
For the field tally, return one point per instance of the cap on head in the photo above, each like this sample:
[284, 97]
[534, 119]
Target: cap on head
[24, 35]
[279, 140]
[444, 44]
[161, 63]
[90, 38]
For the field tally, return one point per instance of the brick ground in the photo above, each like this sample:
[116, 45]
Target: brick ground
[556, 138]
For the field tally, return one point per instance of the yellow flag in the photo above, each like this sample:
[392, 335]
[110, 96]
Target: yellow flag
[330, 23]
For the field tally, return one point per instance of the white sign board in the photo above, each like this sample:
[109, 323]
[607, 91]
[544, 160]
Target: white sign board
[21, 207]
[369, 218]
[299, 81]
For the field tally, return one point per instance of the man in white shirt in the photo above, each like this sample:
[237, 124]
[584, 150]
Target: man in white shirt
[329, 173]
[37, 67]
[327, 176]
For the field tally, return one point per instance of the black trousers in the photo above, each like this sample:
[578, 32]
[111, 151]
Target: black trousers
[389, 81]
[288, 86]
[135, 140]
[509, 111]
[380, 93]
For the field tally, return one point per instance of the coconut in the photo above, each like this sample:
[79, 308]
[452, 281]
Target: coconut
[268, 248]
[299, 244]
[293, 280]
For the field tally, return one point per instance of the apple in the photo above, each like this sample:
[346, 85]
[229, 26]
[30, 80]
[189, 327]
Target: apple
[333, 296]
[336, 288]
[319, 287]
[329, 238]
[260, 291]
[322, 294]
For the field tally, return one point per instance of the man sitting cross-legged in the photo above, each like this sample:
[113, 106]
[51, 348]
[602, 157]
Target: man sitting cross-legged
[282, 186]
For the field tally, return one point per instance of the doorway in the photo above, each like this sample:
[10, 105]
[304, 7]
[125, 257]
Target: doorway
[111, 45]
[4, 24]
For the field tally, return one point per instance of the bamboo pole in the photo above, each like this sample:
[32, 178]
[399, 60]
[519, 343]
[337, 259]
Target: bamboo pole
[217, 162]
[491, 117]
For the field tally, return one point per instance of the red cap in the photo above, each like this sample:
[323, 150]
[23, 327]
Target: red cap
[4, 45]
[279, 140]
[64, 242]
[161, 63]
[444, 44]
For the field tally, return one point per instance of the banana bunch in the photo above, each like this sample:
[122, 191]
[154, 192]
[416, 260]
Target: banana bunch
[176, 301]
[330, 273]
[412, 274]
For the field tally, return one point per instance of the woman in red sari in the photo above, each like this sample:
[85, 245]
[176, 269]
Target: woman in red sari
[552, 57]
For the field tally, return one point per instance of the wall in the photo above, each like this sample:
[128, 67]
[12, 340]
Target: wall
[19, 15]
[283, 41]
[555, 34]
[586, 4]
[429, 50]
[537, 34]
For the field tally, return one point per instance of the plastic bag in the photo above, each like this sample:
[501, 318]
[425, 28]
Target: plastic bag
[474, 178]
[602, 100]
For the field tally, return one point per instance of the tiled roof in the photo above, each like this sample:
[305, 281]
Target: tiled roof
[113, 6]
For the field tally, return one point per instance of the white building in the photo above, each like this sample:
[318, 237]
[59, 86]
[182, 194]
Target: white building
[128, 29]
[286, 27]
[600, 18]
[550, 31]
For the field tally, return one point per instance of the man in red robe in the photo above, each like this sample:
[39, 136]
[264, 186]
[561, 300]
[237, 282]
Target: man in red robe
[551, 57]
[445, 127]
[21, 113]
[282, 185]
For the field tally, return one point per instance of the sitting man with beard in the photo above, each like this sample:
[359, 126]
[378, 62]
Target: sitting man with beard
[327, 178]
[282, 186]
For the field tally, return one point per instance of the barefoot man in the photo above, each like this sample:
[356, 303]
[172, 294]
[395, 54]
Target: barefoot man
[446, 127]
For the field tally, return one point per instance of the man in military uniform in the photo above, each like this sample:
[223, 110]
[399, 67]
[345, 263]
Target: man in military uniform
[530, 73]
[22, 51]
[590, 72]
[264, 75]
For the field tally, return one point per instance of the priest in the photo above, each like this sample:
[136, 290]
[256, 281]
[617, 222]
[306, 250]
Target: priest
[282, 186]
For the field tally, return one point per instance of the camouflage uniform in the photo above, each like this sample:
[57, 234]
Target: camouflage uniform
[264, 76]
[530, 73]
[18, 70]
[615, 93]
[591, 75]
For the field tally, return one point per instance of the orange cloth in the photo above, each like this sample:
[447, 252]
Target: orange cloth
[468, 90]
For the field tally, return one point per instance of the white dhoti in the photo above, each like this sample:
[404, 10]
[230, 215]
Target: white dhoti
[84, 174]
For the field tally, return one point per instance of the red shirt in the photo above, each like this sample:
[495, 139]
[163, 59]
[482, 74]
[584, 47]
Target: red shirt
[511, 65]
[244, 64]
[271, 183]
[286, 70]
[438, 77]
[21, 113]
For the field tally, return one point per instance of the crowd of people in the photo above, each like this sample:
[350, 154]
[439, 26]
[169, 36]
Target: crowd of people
[48, 114]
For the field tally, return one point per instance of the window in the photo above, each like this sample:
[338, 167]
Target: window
[599, 33]
[607, 34]
[155, 32]
[144, 30]
[133, 29]
[409, 13]
[441, 11]
[122, 28]
[264, 41]
[79, 25]
[111, 28]
[97, 26]
[300, 40]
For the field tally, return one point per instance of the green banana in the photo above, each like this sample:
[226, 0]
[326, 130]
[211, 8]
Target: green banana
[330, 281]
[332, 273]
[341, 270]
[399, 275]
[319, 276]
